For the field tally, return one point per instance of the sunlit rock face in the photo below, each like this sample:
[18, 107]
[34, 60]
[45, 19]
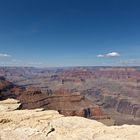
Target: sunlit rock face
[50, 125]
[9, 105]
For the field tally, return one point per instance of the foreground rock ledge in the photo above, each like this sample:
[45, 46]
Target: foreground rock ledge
[50, 125]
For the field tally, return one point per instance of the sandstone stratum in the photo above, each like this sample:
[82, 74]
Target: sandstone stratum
[50, 125]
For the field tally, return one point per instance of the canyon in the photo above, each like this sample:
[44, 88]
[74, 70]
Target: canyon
[68, 104]
[38, 124]
[113, 91]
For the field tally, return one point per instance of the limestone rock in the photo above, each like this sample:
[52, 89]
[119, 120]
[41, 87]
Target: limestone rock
[9, 105]
[50, 125]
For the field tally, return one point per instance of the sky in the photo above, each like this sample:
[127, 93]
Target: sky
[53, 33]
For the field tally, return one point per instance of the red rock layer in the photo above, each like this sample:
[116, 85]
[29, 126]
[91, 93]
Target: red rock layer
[68, 104]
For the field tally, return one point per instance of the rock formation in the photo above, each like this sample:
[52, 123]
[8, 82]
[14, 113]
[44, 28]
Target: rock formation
[114, 89]
[68, 104]
[9, 105]
[50, 125]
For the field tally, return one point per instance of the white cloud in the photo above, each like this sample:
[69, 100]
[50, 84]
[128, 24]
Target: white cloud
[4, 55]
[112, 54]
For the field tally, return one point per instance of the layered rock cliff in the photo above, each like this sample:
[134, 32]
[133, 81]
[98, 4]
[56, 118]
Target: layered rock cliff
[68, 104]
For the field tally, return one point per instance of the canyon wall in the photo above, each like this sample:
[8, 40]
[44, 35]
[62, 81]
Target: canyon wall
[66, 103]
[113, 89]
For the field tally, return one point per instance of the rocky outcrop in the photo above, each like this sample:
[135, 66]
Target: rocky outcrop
[9, 105]
[50, 125]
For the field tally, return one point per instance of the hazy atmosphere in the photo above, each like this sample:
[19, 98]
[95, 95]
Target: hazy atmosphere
[50, 33]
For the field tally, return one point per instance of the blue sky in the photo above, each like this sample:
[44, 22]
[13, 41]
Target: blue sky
[51, 33]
